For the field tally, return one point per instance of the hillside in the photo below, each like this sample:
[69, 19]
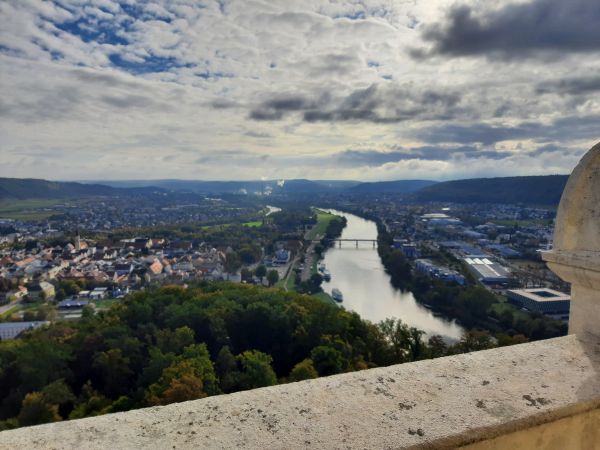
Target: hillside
[533, 190]
[399, 186]
[32, 188]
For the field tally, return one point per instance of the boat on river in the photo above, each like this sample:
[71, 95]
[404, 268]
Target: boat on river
[336, 294]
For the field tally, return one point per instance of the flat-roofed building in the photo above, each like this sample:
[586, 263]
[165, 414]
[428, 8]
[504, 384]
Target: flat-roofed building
[488, 272]
[546, 301]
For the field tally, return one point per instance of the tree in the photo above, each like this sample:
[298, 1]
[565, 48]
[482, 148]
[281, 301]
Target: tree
[260, 272]
[256, 370]
[35, 410]
[437, 347]
[87, 311]
[304, 370]
[178, 383]
[174, 341]
[89, 403]
[232, 262]
[272, 277]
[399, 336]
[246, 274]
[114, 371]
[226, 367]
[327, 360]
[473, 341]
[58, 393]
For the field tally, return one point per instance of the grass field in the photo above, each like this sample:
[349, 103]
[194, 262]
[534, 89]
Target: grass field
[502, 306]
[253, 224]
[325, 297]
[10, 312]
[106, 303]
[291, 286]
[27, 209]
[323, 219]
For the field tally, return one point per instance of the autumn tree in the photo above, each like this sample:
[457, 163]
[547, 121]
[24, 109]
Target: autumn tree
[304, 370]
[35, 410]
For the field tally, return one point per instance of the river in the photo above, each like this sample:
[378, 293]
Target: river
[272, 209]
[367, 288]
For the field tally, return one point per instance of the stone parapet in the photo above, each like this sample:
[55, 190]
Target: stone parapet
[436, 404]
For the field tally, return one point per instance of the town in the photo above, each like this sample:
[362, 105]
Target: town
[81, 259]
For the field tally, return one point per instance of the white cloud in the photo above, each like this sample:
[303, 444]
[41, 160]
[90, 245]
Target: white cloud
[166, 89]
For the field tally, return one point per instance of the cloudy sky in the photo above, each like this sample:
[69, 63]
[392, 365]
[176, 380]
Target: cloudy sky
[321, 89]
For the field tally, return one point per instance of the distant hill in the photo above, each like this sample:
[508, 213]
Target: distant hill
[236, 187]
[538, 190]
[32, 188]
[399, 186]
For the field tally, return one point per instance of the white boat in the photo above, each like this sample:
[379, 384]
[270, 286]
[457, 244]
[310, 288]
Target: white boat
[337, 295]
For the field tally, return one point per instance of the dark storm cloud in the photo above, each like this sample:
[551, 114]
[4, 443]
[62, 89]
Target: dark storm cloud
[561, 130]
[573, 86]
[517, 30]
[375, 158]
[373, 104]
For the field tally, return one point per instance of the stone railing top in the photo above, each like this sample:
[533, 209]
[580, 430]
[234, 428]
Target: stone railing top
[440, 403]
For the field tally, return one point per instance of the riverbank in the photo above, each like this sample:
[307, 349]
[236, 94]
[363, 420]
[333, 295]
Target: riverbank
[299, 276]
[359, 274]
[473, 307]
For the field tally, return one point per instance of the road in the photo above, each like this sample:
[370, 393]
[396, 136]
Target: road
[8, 307]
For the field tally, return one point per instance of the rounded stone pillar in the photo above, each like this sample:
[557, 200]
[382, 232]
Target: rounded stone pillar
[576, 253]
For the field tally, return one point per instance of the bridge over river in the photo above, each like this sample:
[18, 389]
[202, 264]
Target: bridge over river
[340, 240]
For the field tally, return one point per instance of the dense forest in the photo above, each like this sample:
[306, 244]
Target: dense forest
[173, 344]
[532, 190]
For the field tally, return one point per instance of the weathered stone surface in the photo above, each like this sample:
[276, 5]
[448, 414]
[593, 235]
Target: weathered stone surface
[578, 215]
[439, 403]
[576, 254]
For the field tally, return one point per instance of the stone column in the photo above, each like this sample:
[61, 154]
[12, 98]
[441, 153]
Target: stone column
[576, 254]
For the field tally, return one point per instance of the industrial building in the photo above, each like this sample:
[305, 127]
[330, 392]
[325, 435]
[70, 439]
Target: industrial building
[427, 267]
[546, 301]
[11, 330]
[488, 272]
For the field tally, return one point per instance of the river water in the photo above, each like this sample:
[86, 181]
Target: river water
[367, 288]
[272, 209]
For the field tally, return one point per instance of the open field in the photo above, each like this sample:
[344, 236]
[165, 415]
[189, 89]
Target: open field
[252, 224]
[27, 209]
[325, 297]
[106, 303]
[502, 306]
[323, 219]
[9, 312]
